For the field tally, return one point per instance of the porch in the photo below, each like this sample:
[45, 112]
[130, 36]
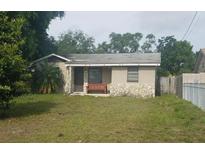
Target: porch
[91, 80]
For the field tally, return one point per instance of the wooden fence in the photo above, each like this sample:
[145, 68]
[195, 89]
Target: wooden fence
[166, 85]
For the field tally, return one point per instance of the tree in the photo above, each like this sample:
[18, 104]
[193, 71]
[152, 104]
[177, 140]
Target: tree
[46, 78]
[5, 98]
[103, 48]
[122, 43]
[34, 30]
[12, 66]
[149, 44]
[176, 56]
[75, 42]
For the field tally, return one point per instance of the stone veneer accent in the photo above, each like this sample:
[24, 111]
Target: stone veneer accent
[136, 90]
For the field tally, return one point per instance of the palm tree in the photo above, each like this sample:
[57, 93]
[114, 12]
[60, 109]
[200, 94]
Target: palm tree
[47, 78]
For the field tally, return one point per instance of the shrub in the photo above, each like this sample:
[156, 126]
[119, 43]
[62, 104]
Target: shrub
[47, 78]
[5, 97]
[21, 87]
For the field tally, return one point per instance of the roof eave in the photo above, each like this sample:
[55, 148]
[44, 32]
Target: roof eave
[142, 64]
[48, 56]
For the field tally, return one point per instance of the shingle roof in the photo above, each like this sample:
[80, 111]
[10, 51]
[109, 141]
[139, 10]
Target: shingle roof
[199, 59]
[122, 58]
[202, 50]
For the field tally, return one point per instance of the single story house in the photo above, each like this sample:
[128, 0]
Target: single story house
[108, 73]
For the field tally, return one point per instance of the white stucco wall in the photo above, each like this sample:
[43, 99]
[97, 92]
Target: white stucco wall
[66, 76]
[146, 80]
[147, 76]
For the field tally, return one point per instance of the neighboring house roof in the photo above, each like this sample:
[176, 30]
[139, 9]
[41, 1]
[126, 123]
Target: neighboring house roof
[199, 60]
[149, 59]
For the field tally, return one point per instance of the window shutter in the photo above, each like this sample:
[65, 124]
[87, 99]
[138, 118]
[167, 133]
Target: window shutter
[132, 74]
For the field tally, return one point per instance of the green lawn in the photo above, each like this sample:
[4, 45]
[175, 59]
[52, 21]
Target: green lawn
[59, 118]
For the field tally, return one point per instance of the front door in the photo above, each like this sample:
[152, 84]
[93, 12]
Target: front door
[78, 79]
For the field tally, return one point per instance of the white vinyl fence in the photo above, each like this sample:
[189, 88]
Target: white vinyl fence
[189, 86]
[195, 92]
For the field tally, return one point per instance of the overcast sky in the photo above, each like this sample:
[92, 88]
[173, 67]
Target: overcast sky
[100, 24]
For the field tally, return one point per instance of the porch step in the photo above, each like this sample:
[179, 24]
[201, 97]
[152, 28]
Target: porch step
[84, 94]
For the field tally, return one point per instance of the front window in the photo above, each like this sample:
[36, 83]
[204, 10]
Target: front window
[95, 75]
[132, 74]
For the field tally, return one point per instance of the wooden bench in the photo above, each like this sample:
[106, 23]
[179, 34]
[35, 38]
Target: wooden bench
[97, 87]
